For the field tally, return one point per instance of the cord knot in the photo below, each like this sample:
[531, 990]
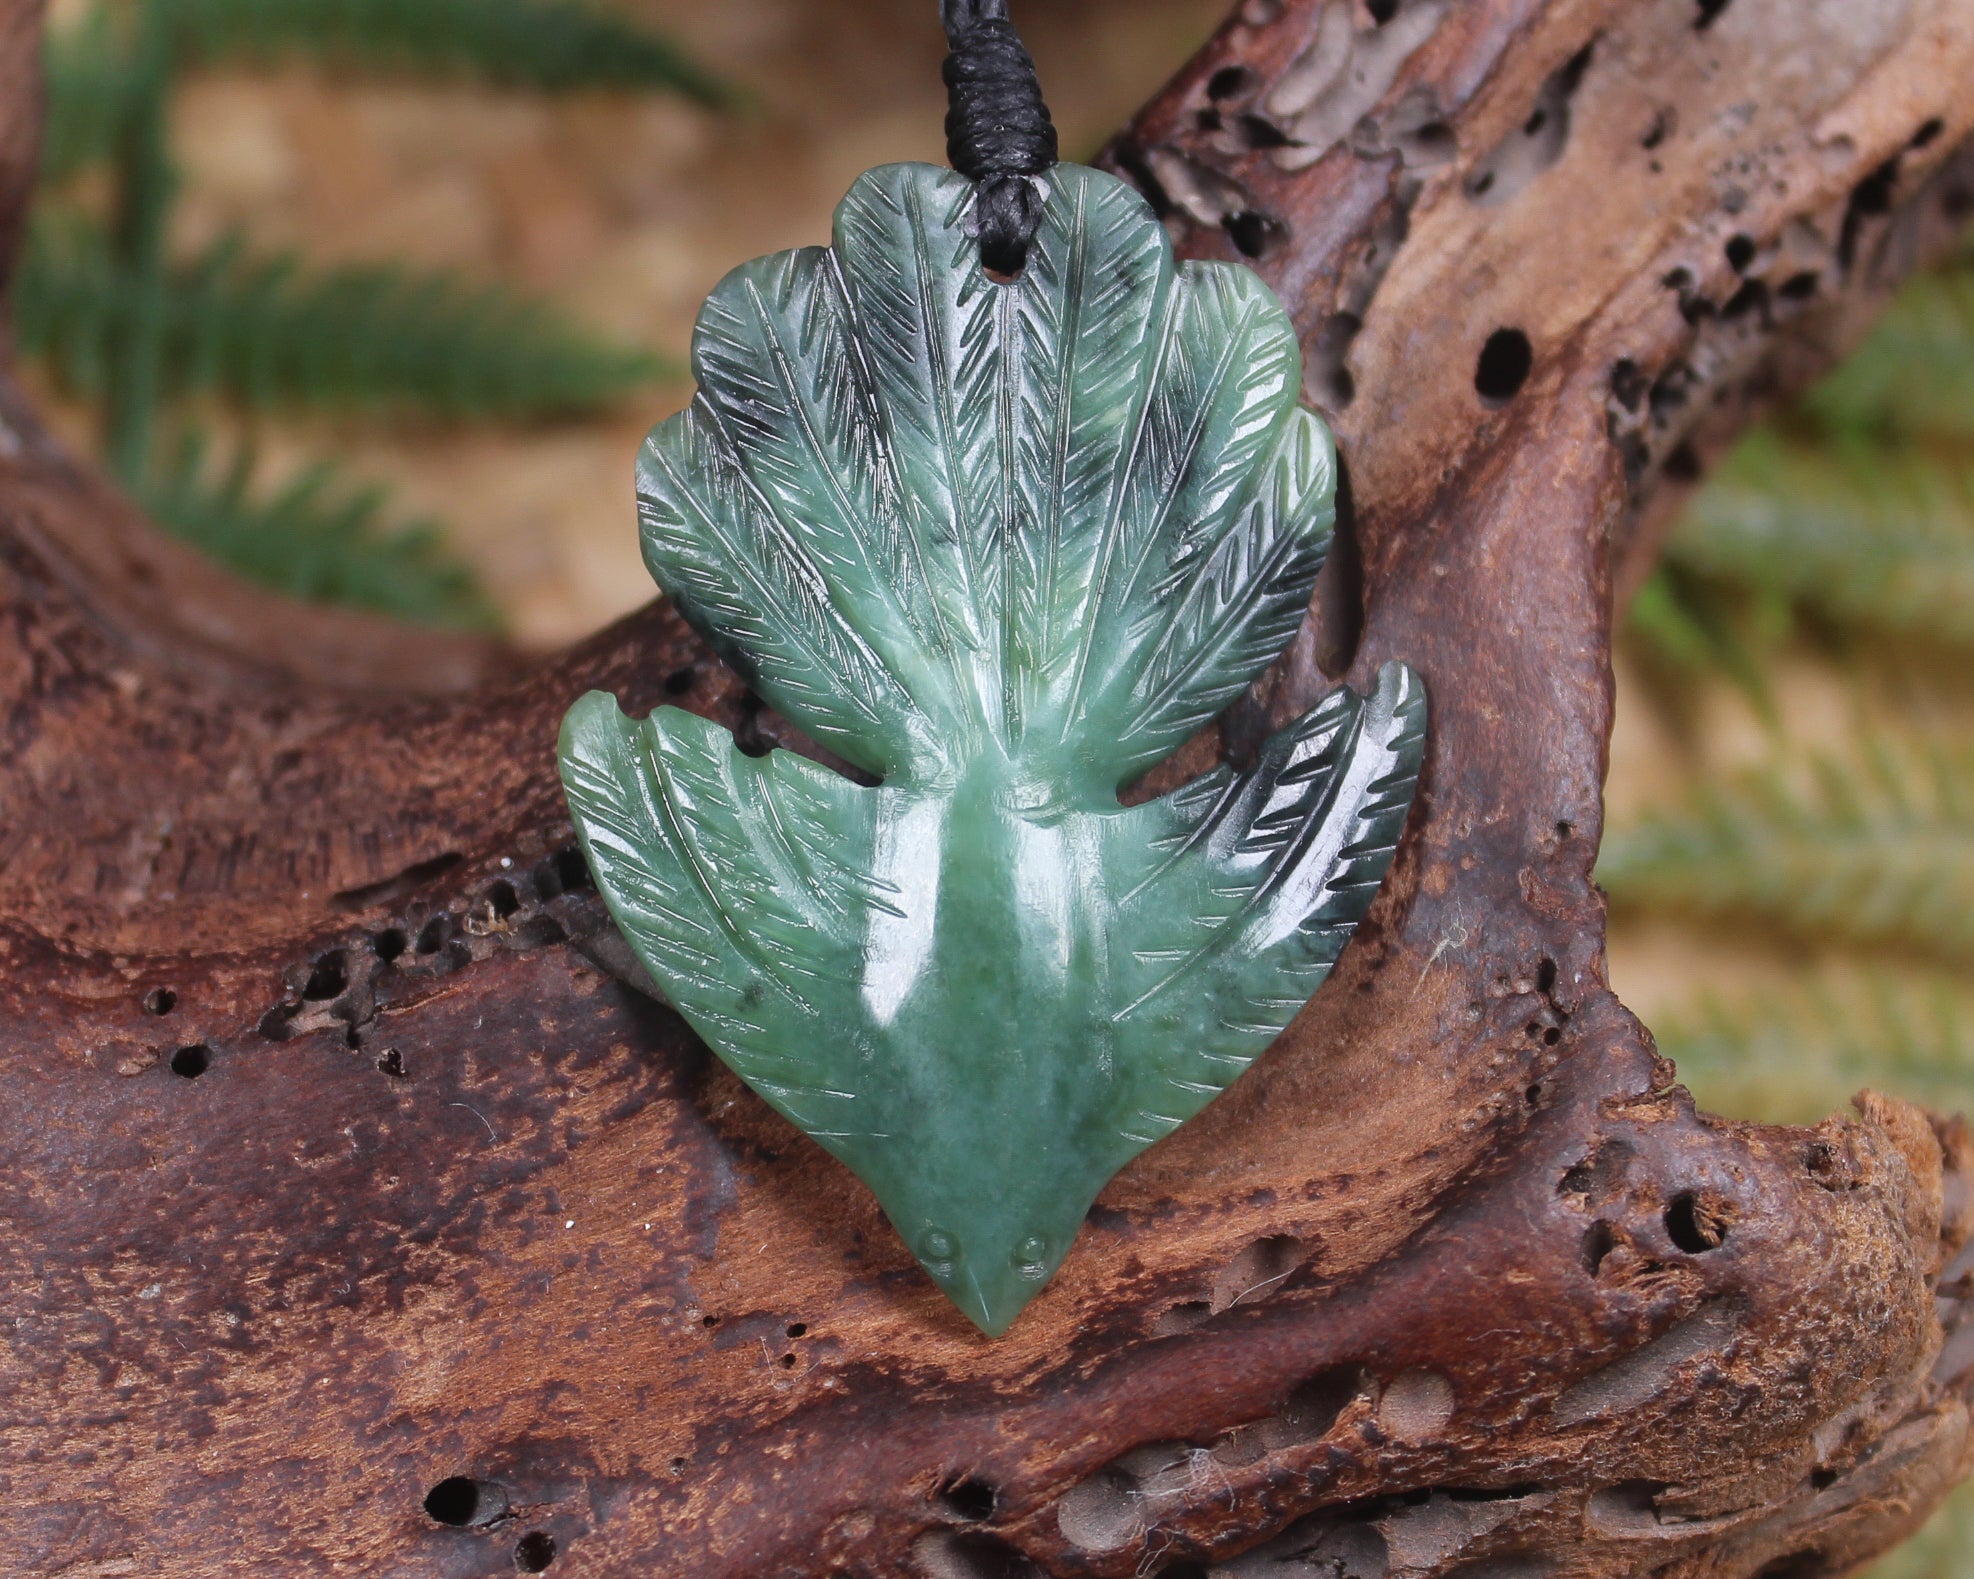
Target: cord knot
[998, 132]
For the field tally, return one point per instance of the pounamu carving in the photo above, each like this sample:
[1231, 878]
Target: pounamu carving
[1005, 545]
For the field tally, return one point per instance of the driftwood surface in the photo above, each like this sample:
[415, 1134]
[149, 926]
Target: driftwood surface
[337, 1169]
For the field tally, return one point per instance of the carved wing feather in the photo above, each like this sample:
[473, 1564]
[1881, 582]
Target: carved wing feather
[748, 902]
[1220, 394]
[928, 317]
[755, 587]
[1229, 603]
[1248, 888]
[1085, 330]
[780, 363]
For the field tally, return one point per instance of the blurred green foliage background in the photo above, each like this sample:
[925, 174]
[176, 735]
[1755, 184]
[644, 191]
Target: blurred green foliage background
[1799, 926]
[149, 337]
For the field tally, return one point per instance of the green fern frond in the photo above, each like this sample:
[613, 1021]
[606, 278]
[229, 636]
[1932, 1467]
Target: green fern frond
[1915, 374]
[546, 44]
[317, 537]
[264, 333]
[68, 306]
[1686, 624]
[1665, 619]
[1795, 1056]
[1882, 853]
[1875, 538]
[91, 80]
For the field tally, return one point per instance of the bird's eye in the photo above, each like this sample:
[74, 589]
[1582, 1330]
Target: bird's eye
[1031, 1257]
[938, 1250]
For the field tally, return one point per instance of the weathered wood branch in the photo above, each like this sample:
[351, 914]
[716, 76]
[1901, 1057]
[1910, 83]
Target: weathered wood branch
[336, 1168]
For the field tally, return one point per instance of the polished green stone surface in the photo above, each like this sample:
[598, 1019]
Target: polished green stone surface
[1004, 546]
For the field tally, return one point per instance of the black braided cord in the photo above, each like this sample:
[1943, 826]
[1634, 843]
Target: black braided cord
[998, 132]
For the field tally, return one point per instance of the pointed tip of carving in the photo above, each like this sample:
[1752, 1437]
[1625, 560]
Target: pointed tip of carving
[991, 1326]
[993, 1302]
[993, 1311]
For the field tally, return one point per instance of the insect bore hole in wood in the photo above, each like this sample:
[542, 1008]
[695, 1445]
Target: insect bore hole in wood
[465, 1503]
[572, 870]
[972, 1499]
[1598, 1242]
[1232, 82]
[1695, 1226]
[191, 1062]
[1316, 1406]
[329, 977]
[1254, 234]
[1505, 362]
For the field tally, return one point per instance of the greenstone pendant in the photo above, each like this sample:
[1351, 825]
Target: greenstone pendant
[1005, 545]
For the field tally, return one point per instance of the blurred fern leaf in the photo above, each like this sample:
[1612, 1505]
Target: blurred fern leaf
[124, 323]
[265, 333]
[1853, 512]
[546, 44]
[1870, 537]
[1915, 374]
[1793, 1056]
[94, 79]
[318, 537]
[89, 78]
[1690, 626]
[1879, 853]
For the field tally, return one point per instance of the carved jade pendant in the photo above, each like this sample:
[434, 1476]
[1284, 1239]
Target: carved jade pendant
[1006, 546]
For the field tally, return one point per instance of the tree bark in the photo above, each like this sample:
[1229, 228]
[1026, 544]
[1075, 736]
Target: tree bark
[337, 1167]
